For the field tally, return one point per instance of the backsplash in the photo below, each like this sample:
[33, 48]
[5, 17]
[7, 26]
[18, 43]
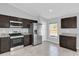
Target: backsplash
[9, 30]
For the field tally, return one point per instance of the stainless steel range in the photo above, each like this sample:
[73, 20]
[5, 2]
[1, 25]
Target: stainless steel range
[16, 39]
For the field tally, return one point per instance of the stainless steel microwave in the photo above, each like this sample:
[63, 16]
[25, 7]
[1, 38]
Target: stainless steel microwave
[16, 24]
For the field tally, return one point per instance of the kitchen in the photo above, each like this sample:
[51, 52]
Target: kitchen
[21, 32]
[18, 32]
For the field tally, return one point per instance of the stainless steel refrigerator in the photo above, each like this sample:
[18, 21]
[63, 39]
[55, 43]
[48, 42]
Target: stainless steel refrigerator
[37, 37]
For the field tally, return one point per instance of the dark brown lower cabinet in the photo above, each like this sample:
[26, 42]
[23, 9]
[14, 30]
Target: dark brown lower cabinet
[27, 40]
[68, 42]
[4, 44]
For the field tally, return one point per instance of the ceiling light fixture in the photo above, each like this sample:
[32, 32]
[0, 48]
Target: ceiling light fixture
[50, 10]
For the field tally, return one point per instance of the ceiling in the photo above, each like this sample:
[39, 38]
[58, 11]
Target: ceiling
[48, 10]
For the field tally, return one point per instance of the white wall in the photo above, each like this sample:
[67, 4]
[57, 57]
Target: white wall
[43, 21]
[72, 31]
[43, 31]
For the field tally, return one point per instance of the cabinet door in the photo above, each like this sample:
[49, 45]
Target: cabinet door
[26, 23]
[31, 39]
[5, 44]
[4, 21]
[13, 18]
[68, 42]
[71, 43]
[70, 22]
[27, 40]
[63, 42]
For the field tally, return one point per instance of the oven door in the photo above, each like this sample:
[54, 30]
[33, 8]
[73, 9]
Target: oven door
[16, 42]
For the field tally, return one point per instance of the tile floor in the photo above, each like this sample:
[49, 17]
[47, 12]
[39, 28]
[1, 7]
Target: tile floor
[44, 49]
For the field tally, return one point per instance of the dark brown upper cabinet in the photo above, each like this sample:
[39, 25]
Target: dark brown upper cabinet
[7, 21]
[15, 18]
[26, 23]
[70, 22]
[4, 21]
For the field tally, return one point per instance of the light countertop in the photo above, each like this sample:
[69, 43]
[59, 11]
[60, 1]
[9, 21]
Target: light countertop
[4, 35]
[69, 34]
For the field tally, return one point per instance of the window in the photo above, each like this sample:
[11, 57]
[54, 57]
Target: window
[53, 29]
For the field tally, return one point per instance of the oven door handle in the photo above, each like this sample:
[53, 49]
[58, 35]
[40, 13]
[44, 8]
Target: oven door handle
[16, 37]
